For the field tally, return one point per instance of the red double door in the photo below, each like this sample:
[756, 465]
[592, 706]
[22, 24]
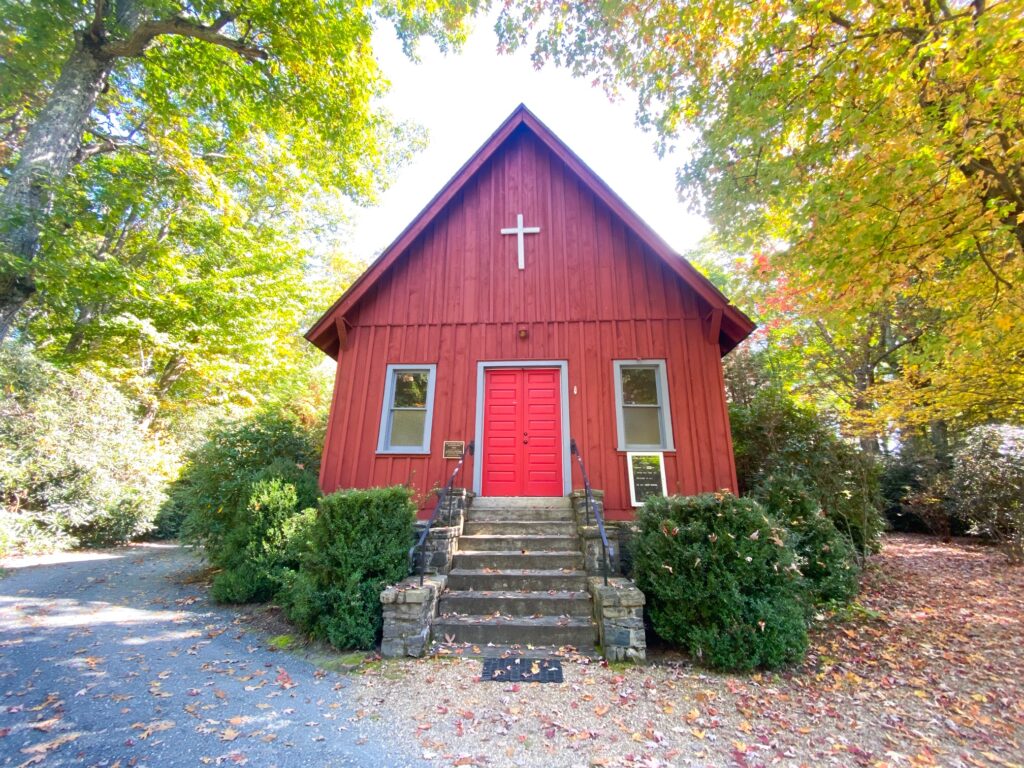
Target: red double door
[522, 432]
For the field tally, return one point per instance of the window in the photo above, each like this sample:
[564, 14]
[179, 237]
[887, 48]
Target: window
[408, 409]
[641, 404]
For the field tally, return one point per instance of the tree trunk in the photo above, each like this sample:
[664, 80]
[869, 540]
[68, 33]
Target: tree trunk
[863, 378]
[46, 158]
[938, 433]
[86, 314]
[173, 370]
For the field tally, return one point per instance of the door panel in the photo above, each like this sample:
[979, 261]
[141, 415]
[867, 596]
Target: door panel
[522, 432]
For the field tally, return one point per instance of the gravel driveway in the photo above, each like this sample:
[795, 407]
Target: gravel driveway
[107, 659]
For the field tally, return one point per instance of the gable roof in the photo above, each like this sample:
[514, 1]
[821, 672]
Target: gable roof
[734, 324]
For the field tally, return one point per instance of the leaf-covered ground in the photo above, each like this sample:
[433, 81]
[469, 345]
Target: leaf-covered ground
[928, 670]
[110, 660]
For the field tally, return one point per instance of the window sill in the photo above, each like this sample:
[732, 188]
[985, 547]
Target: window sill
[404, 452]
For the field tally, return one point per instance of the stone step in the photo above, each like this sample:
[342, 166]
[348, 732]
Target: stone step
[576, 631]
[516, 580]
[566, 603]
[513, 514]
[497, 651]
[520, 528]
[511, 542]
[537, 561]
[522, 502]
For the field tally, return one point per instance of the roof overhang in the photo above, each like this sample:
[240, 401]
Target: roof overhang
[734, 325]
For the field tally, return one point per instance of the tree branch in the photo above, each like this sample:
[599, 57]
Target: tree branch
[835, 18]
[96, 30]
[144, 34]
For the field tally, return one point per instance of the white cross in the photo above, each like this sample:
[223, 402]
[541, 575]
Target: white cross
[519, 230]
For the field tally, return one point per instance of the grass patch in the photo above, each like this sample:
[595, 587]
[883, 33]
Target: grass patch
[282, 642]
[854, 611]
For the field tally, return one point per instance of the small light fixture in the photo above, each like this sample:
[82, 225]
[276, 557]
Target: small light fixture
[523, 333]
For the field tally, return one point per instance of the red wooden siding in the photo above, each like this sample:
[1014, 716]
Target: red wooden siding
[592, 292]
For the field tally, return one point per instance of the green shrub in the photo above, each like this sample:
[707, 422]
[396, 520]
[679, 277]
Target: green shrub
[916, 485]
[76, 465]
[255, 553]
[722, 581]
[357, 545]
[298, 536]
[774, 435]
[827, 558]
[987, 487]
[212, 491]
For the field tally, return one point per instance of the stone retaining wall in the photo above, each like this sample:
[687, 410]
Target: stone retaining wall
[443, 540]
[409, 610]
[619, 613]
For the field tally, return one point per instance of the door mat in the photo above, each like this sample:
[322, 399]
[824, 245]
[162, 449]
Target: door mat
[520, 670]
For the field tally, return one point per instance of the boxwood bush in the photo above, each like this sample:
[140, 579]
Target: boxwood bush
[262, 547]
[722, 581]
[357, 544]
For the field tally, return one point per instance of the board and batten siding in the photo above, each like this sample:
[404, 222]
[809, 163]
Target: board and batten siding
[591, 293]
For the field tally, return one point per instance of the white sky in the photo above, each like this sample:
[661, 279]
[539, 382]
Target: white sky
[462, 98]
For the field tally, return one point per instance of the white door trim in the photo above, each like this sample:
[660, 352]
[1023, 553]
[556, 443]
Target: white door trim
[563, 378]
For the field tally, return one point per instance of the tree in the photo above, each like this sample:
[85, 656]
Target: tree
[875, 151]
[835, 359]
[181, 301]
[203, 87]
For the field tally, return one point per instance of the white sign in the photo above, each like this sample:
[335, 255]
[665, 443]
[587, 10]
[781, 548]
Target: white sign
[646, 476]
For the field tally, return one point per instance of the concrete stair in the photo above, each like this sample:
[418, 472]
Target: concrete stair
[519, 559]
[518, 527]
[517, 579]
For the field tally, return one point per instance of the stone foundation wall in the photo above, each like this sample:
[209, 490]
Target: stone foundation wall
[619, 613]
[438, 549]
[409, 610]
[626, 531]
[443, 540]
[579, 506]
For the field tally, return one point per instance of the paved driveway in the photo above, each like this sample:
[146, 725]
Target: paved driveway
[107, 659]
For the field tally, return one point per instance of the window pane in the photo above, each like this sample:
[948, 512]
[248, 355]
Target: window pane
[639, 386]
[411, 389]
[642, 425]
[407, 428]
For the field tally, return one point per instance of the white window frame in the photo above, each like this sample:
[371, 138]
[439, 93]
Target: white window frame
[384, 439]
[661, 378]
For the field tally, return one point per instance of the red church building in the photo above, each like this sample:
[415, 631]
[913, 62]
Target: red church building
[527, 306]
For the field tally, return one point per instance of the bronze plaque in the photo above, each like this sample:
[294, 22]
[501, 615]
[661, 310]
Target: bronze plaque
[453, 449]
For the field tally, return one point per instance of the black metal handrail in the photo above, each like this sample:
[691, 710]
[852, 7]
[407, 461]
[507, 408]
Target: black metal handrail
[442, 498]
[606, 549]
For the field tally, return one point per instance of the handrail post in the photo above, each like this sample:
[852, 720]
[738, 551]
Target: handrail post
[598, 518]
[442, 497]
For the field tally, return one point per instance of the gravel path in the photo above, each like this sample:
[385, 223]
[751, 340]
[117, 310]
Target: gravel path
[107, 659]
[928, 672]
